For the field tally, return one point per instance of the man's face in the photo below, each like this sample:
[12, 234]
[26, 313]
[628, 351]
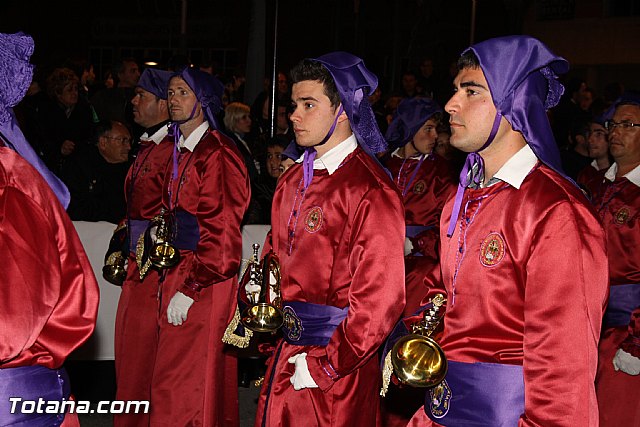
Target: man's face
[471, 109]
[181, 100]
[313, 113]
[129, 75]
[409, 83]
[597, 141]
[624, 144]
[274, 154]
[281, 120]
[115, 144]
[425, 138]
[283, 84]
[442, 145]
[148, 109]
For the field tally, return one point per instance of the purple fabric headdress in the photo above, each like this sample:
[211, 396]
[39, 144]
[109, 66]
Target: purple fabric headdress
[355, 83]
[409, 117]
[522, 74]
[15, 77]
[155, 81]
[208, 91]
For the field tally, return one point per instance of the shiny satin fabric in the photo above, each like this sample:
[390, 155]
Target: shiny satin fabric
[49, 294]
[424, 198]
[195, 378]
[618, 204]
[136, 329]
[346, 240]
[529, 289]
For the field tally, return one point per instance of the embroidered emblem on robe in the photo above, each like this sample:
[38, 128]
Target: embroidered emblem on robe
[292, 324]
[622, 215]
[313, 220]
[439, 399]
[492, 250]
[419, 187]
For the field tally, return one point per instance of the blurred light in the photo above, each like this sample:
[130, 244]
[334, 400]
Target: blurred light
[151, 63]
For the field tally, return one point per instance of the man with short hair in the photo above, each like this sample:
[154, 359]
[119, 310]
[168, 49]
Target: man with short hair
[618, 203]
[338, 231]
[115, 103]
[591, 176]
[95, 176]
[521, 324]
[205, 195]
[136, 331]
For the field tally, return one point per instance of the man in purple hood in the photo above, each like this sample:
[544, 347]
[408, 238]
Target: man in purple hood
[523, 256]
[338, 230]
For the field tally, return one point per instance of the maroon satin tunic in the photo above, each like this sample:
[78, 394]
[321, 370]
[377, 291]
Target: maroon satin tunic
[339, 244]
[136, 330]
[424, 198]
[526, 277]
[618, 204]
[425, 193]
[49, 294]
[195, 377]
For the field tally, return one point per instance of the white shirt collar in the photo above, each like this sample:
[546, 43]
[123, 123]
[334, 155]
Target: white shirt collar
[396, 153]
[516, 169]
[633, 176]
[157, 137]
[195, 137]
[332, 159]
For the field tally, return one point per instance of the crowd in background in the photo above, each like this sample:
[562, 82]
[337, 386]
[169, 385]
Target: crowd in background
[66, 112]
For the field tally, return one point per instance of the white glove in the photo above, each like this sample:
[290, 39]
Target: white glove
[626, 363]
[178, 308]
[301, 378]
[408, 246]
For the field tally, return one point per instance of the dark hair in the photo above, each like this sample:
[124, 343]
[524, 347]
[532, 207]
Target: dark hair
[103, 127]
[278, 141]
[313, 70]
[468, 60]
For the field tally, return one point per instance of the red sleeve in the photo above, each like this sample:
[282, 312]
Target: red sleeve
[376, 293]
[224, 198]
[49, 294]
[563, 306]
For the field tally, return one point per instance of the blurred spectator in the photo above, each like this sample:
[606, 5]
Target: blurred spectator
[115, 103]
[237, 120]
[575, 156]
[264, 187]
[589, 177]
[95, 176]
[63, 123]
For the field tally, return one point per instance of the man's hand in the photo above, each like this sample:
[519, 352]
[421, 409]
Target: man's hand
[301, 378]
[626, 363]
[178, 308]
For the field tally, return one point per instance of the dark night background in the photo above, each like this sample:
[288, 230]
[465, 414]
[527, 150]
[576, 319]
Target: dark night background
[598, 37]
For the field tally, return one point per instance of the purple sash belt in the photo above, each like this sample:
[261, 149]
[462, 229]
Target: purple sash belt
[187, 233]
[30, 383]
[623, 299]
[137, 227]
[479, 395]
[306, 323]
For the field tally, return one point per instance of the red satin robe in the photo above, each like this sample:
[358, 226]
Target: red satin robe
[346, 249]
[530, 291]
[136, 331]
[424, 197]
[423, 202]
[590, 179]
[618, 204]
[195, 378]
[49, 294]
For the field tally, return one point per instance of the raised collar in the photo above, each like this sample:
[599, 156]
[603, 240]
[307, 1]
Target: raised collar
[633, 175]
[332, 159]
[516, 169]
[195, 137]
